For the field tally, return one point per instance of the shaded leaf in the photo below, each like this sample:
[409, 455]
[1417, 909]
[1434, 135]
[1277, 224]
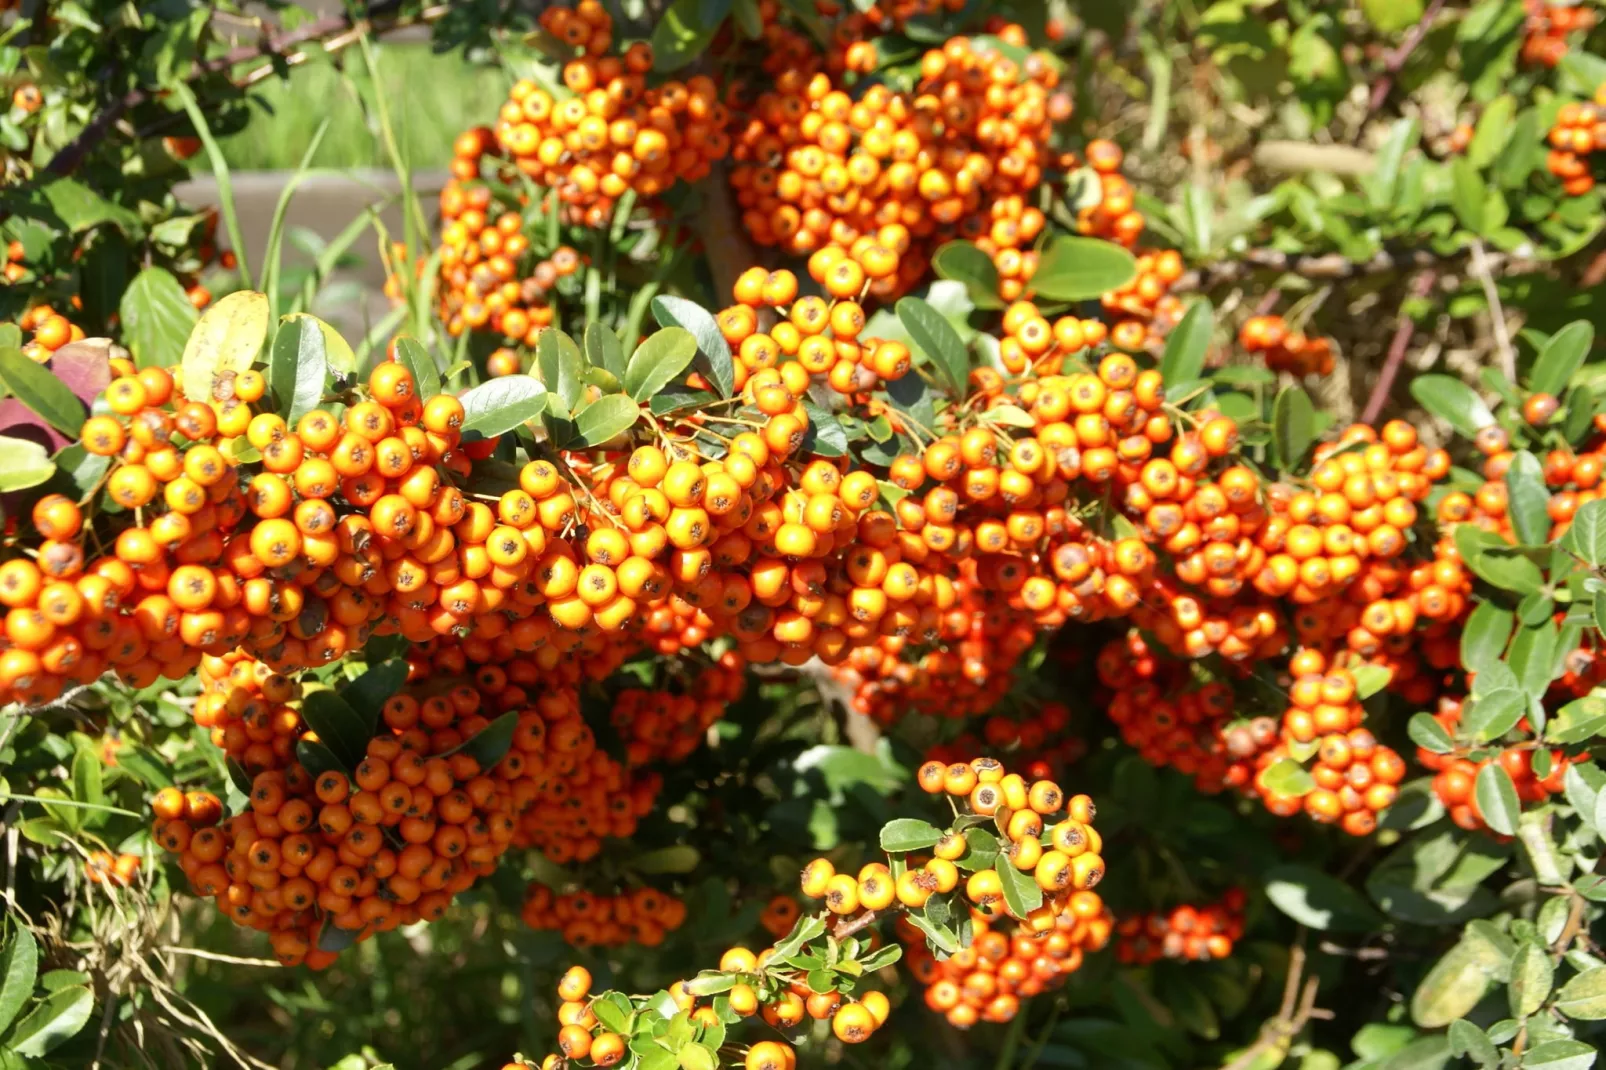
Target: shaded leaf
[156, 318]
[43, 393]
[713, 357]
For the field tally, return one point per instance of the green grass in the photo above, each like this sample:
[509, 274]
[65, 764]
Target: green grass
[432, 98]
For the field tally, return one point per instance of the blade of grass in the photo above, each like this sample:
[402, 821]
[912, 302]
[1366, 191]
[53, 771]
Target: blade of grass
[272, 269]
[413, 214]
[380, 334]
[220, 172]
[331, 256]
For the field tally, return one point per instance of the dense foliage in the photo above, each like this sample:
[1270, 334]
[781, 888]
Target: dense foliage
[1014, 535]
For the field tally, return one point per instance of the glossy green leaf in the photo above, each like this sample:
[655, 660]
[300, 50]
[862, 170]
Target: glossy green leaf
[1188, 342]
[1484, 638]
[605, 419]
[342, 729]
[658, 361]
[964, 263]
[156, 318]
[1288, 778]
[1293, 426]
[298, 367]
[938, 341]
[1497, 798]
[1452, 401]
[19, 964]
[1455, 984]
[24, 463]
[412, 355]
[908, 834]
[45, 395]
[1586, 535]
[1528, 499]
[490, 744]
[497, 407]
[1429, 734]
[1561, 357]
[713, 357]
[1318, 901]
[1081, 269]
[1022, 895]
[684, 30]
[53, 1022]
[602, 350]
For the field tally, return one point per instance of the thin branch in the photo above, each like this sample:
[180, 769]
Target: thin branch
[1394, 62]
[1332, 267]
[847, 928]
[1482, 271]
[70, 157]
[1396, 353]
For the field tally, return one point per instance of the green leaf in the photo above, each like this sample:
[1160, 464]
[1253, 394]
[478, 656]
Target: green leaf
[1493, 560]
[1497, 799]
[86, 777]
[981, 850]
[676, 858]
[299, 367]
[1319, 901]
[804, 929]
[603, 351]
[341, 358]
[658, 361]
[712, 983]
[1451, 988]
[490, 744]
[45, 395]
[156, 318]
[1370, 679]
[713, 357]
[81, 208]
[908, 834]
[1531, 977]
[341, 728]
[882, 957]
[1452, 401]
[1468, 195]
[24, 463]
[938, 341]
[1584, 997]
[1288, 778]
[1402, 136]
[224, 343]
[1586, 535]
[697, 1057]
[1021, 892]
[1577, 721]
[684, 31]
[1484, 639]
[19, 964]
[1584, 69]
[1528, 499]
[411, 354]
[497, 407]
[1559, 1055]
[561, 367]
[1493, 715]
[1468, 1040]
[1561, 357]
[1293, 426]
[368, 693]
[964, 263]
[939, 936]
[1533, 657]
[56, 1020]
[1189, 341]
[1493, 134]
[1429, 734]
[613, 1017]
[1081, 269]
[606, 418]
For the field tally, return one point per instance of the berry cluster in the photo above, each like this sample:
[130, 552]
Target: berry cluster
[1186, 933]
[1284, 350]
[641, 916]
[1578, 133]
[880, 177]
[1546, 27]
[986, 981]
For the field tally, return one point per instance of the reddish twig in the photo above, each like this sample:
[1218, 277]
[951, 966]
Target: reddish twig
[1396, 354]
[1395, 60]
[70, 157]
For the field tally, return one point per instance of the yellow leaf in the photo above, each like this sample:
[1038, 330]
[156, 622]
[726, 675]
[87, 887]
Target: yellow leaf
[225, 342]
